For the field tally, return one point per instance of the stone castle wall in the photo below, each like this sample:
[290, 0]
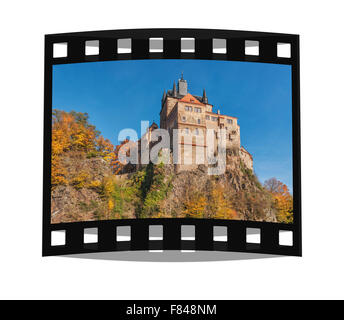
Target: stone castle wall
[176, 114]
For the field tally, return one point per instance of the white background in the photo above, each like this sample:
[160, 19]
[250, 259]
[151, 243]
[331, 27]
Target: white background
[25, 274]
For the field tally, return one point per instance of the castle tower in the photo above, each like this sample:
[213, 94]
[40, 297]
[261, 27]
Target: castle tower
[193, 115]
[182, 87]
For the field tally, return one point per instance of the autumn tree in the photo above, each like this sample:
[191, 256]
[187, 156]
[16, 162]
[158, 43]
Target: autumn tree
[195, 206]
[219, 206]
[273, 185]
[215, 205]
[71, 132]
[122, 149]
[283, 200]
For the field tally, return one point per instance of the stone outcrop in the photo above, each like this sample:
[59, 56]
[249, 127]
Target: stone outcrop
[159, 191]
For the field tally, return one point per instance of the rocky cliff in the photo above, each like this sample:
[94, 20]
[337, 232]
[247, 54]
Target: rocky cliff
[72, 201]
[94, 193]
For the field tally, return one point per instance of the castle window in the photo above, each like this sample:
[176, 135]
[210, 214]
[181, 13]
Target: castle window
[230, 121]
[214, 118]
[196, 132]
[183, 119]
[199, 121]
[188, 108]
[186, 130]
[198, 110]
[207, 118]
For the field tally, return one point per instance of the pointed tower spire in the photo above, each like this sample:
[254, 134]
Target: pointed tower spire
[163, 97]
[174, 92]
[204, 99]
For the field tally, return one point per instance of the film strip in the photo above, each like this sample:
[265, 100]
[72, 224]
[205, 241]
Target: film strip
[136, 234]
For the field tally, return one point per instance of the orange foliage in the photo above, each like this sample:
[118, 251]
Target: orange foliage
[72, 132]
[283, 200]
[195, 207]
[284, 205]
[121, 148]
[220, 207]
[216, 206]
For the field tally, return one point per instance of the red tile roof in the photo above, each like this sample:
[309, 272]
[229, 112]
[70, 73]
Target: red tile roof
[191, 99]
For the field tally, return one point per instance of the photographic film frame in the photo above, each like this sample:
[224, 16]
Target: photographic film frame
[202, 44]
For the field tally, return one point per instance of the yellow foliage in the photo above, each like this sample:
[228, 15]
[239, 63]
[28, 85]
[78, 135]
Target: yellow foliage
[195, 207]
[220, 207]
[108, 187]
[81, 180]
[111, 204]
[58, 172]
[158, 215]
[94, 184]
[72, 132]
[217, 206]
[284, 205]
[282, 198]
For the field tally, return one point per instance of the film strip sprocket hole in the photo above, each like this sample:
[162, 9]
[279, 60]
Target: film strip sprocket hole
[179, 234]
[170, 44]
[184, 234]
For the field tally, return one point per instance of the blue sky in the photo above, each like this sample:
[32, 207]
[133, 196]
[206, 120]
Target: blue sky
[119, 94]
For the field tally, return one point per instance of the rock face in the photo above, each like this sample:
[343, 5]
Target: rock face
[158, 191]
[67, 204]
[72, 202]
[237, 191]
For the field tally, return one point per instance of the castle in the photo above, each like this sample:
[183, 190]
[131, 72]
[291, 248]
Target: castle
[193, 115]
